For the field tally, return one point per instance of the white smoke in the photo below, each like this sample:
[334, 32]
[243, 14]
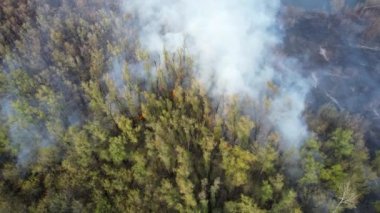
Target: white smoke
[232, 43]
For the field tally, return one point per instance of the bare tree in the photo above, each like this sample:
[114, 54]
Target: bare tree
[348, 197]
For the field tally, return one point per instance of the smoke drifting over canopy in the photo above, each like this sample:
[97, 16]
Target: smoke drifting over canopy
[233, 43]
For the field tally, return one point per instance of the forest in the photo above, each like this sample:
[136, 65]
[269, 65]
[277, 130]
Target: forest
[92, 119]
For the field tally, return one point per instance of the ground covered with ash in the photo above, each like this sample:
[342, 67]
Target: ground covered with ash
[341, 52]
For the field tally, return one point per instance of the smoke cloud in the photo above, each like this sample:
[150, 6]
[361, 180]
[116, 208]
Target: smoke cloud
[233, 44]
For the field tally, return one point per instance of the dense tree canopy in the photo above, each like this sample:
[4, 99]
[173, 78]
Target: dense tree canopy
[92, 123]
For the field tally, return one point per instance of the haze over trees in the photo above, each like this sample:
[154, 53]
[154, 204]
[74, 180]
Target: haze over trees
[93, 122]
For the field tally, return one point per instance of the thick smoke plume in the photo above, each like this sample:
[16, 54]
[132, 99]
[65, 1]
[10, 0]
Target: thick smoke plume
[233, 43]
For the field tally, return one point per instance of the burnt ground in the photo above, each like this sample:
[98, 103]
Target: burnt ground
[340, 52]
